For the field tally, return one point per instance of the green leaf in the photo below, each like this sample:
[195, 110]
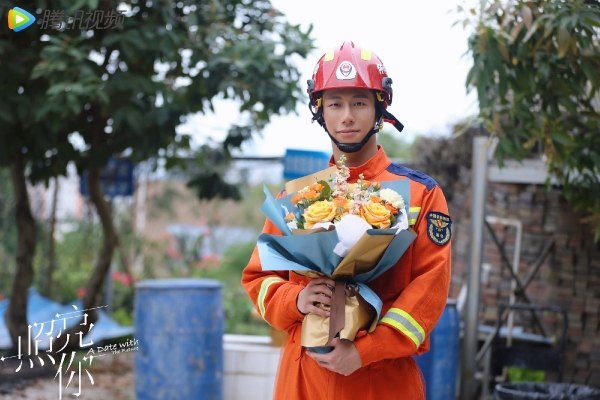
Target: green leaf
[56, 89]
[595, 156]
[326, 192]
[563, 38]
[531, 31]
[590, 72]
[593, 19]
[78, 5]
[560, 136]
[111, 38]
[5, 113]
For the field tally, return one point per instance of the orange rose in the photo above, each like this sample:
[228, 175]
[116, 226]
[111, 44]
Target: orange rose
[376, 214]
[392, 209]
[317, 187]
[295, 199]
[290, 217]
[310, 194]
[375, 199]
[342, 205]
[319, 211]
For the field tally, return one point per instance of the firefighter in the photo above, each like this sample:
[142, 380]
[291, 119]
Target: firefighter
[350, 93]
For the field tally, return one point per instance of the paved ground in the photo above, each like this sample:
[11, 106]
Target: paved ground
[112, 375]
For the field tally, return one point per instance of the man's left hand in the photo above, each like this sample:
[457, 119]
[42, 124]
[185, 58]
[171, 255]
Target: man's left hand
[344, 359]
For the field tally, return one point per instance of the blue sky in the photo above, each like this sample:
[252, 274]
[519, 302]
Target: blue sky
[423, 54]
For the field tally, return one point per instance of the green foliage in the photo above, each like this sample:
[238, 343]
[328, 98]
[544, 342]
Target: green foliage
[164, 202]
[75, 255]
[129, 88]
[536, 70]
[238, 307]
[395, 145]
[8, 233]
[517, 374]
[248, 213]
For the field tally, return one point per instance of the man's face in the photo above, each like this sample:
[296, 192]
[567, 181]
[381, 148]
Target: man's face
[349, 113]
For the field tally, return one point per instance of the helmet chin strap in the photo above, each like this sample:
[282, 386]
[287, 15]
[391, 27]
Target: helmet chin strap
[353, 147]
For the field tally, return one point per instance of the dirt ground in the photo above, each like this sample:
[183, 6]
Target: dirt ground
[112, 375]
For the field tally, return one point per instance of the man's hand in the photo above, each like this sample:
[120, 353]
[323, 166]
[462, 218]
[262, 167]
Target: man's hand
[317, 291]
[344, 359]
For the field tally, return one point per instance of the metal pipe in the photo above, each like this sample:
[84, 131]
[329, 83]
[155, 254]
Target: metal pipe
[478, 184]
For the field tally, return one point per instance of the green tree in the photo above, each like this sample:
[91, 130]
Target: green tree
[536, 69]
[125, 89]
[395, 145]
[8, 232]
[237, 305]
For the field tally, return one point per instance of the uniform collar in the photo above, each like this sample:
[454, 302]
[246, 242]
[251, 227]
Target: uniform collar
[371, 169]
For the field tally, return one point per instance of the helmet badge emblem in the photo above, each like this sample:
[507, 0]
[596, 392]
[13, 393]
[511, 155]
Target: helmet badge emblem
[345, 71]
[381, 69]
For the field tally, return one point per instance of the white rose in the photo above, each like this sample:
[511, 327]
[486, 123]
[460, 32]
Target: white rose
[390, 196]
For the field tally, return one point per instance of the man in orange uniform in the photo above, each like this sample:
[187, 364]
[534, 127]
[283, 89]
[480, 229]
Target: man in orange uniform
[349, 95]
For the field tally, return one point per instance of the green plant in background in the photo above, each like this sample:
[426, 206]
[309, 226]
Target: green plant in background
[8, 233]
[395, 145]
[536, 70]
[517, 374]
[237, 305]
[127, 89]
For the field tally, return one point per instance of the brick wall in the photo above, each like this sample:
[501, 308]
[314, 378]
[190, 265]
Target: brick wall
[569, 277]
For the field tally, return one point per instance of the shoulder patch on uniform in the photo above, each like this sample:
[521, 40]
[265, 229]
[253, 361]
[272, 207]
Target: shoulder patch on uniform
[439, 227]
[415, 175]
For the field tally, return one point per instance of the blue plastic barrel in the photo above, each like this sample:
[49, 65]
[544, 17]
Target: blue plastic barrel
[179, 325]
[439, 365]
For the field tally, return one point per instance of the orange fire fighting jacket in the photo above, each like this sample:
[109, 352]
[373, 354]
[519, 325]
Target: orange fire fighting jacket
[414, 294]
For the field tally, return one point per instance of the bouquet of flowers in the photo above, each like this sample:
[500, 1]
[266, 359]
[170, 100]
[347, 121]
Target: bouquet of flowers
[352, 233]
[352, 208]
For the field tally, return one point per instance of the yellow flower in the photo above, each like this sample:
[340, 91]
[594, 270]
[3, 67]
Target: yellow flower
[319, 211]
[376, 214]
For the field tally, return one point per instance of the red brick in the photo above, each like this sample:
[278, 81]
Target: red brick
[585, 346]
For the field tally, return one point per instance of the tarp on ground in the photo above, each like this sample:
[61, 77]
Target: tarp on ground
[41, 311]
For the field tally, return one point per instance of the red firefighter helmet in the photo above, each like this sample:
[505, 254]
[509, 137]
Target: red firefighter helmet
[350, 66]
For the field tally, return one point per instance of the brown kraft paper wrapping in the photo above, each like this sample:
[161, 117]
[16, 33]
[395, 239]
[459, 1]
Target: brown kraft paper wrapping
[358, 313]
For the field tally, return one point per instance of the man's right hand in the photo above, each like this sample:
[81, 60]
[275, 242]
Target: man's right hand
[318, 290]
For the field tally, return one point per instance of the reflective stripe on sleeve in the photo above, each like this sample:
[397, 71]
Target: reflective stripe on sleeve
[406, 324]
[264, 288]
[413, 214]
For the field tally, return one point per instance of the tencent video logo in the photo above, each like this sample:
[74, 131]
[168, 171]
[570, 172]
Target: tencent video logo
[19, 19]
